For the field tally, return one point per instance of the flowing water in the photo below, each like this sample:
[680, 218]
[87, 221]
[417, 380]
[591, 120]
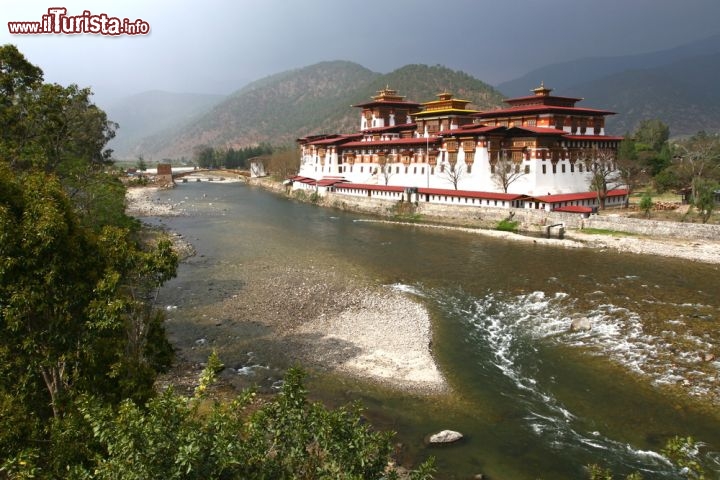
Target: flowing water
[533, 399]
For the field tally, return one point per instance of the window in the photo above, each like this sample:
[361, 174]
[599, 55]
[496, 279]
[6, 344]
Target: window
[544, 169]
[527, 169]
[554, 167]
[469, 168]
[563, 168]
[572, 168]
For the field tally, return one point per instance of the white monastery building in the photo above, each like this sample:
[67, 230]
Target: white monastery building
[541, 151]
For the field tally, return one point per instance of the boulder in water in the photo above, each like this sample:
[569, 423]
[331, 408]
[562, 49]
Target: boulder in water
[580, 324]
[444, 437]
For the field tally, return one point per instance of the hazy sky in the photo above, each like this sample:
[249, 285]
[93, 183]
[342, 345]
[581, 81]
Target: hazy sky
[215, 46]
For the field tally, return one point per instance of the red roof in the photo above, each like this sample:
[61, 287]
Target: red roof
[336, 139]
[540, 130]
[363, 186]
[569, 197]
[396, 141]
[573, 209]
[542, 98]
[503, 112]
[593, 137]
[298, 178]
[470, 194]
[402, 126]
[394, 103]
[329, 181]
[470, 129]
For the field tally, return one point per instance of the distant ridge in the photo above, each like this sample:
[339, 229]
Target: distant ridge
[314, 99]
[150, 112]
[677, 86]
[566, 75]
[683, 94]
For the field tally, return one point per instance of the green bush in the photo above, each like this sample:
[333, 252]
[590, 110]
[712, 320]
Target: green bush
[507, 226]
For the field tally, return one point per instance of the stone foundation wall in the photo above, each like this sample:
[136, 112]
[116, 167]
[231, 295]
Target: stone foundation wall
[529, 220]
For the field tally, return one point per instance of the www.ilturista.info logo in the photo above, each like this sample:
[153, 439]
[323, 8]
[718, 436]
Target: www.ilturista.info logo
[58, 22]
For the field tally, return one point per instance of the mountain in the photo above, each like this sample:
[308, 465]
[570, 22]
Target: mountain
[315, 99]
[682, 94]
[676, 86]
[561, 76]
[150, 112]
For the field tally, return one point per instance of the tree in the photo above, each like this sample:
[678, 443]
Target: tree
[630, 170]
[205, 157]
[284, 162]
[141, 164]
[452, 172]
[646, 204]
[652, 134]
[697, 158]
[603, 174]
[385, 172]
[74, 312]
[505, 171]
[704, 197]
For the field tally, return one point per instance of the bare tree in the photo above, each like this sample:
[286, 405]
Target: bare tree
[283, 163]
[698, 158]
[505, 171]
[630, 169]
[453, 173]
[603, 174]
[385, 171]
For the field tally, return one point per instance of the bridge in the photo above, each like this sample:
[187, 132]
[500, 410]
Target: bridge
[209, 174]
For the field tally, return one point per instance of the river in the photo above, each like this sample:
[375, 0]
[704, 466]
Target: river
[533, 399]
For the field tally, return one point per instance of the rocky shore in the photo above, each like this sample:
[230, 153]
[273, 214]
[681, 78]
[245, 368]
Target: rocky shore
[325, 320]
[330, 321]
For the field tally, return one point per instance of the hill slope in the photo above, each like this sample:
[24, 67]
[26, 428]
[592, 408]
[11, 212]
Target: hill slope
[315, 99]
[151, 112]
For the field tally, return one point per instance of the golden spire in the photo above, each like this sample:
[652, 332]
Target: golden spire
[542, 90]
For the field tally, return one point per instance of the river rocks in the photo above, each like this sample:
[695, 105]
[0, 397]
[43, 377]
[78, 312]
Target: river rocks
[580, 324]
[444, 437]
[709, 357]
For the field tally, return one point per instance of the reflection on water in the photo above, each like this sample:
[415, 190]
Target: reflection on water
[534, 399]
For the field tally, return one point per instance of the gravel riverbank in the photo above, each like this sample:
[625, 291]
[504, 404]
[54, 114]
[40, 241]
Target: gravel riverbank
[320, 317]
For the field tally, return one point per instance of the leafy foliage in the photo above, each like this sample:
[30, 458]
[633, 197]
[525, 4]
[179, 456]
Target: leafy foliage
[286, 437]
[646, 204]
[76, 283]
[208, 157]
[506, 225]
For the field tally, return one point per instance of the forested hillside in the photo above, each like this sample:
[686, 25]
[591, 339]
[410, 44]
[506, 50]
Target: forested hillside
[314, 99]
